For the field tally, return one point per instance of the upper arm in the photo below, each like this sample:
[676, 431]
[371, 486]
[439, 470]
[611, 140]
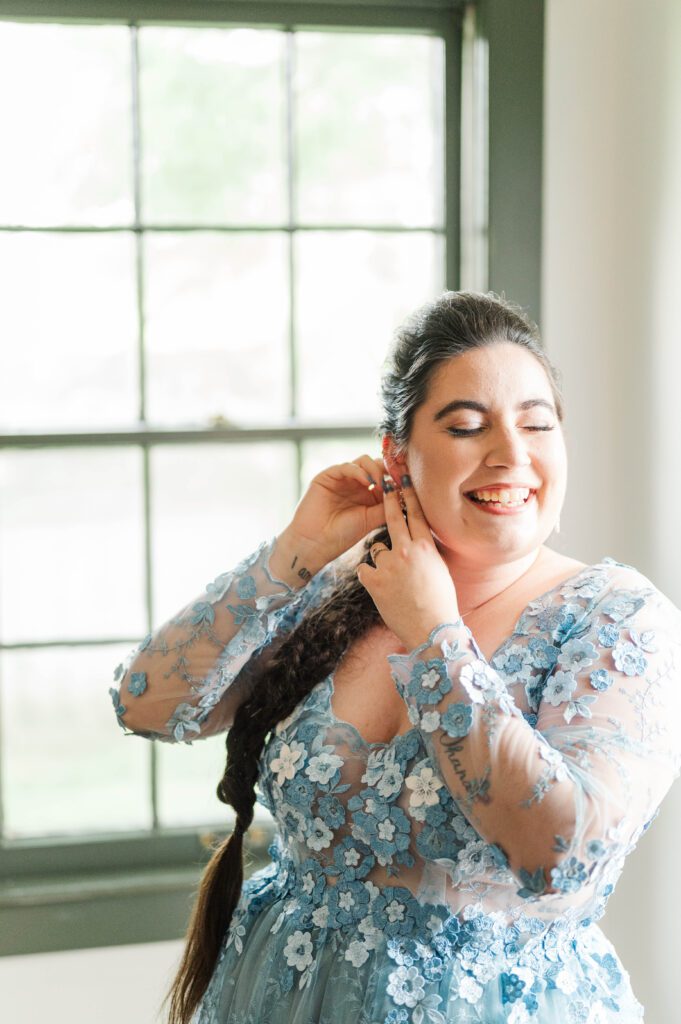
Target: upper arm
[612, 707]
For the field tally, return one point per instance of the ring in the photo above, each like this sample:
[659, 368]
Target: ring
[376, 549]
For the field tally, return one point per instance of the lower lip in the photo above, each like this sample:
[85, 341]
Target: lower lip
[495, 510]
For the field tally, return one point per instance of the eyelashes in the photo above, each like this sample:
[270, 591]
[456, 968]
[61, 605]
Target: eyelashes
[459, 432]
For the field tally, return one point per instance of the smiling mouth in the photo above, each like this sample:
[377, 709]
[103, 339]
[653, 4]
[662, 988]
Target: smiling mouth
[500, 505]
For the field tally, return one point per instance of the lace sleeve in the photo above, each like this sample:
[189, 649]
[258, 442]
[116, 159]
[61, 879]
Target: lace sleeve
[186, 679]
[563, 799]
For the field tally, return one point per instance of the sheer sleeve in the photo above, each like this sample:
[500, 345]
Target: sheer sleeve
[186, 679]
[562, 796]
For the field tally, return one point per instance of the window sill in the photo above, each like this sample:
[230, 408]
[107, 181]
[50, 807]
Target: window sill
[139, 888]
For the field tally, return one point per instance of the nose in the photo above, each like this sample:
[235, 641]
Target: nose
[508, 447]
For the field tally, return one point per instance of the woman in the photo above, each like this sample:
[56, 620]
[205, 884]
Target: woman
[460, 732]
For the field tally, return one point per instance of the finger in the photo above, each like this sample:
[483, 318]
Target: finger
[418, 524]
[395, 521]
[350, 471]
[364, 573]
[375, 515]
[373, 473]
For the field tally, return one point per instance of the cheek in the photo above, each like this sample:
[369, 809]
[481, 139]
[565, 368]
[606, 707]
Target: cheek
[437, 471]
[442, 502]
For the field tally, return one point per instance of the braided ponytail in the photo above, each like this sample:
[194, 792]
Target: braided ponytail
[305, 658]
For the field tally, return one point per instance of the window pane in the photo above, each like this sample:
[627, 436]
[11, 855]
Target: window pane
[189, 776]
[217, 318]
[213, 125]
[68, 315]
[66, 125]
[211, 506]
[319, 455]
[353, 291]
[71, 531]
[67, 767]
[369, 114]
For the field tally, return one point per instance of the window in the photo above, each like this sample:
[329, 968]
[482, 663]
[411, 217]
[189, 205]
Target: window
[201, 226]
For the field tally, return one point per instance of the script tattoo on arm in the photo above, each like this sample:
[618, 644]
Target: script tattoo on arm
[477, 789]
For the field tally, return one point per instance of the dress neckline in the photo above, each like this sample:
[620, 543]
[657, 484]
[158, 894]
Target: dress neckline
[387, 744]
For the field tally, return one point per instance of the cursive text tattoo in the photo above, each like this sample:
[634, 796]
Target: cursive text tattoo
[477, 789]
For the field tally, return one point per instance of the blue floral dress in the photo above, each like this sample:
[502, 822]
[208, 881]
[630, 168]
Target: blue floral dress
[457, 872]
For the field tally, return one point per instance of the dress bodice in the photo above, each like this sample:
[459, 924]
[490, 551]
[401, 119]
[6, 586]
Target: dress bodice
[456, 872]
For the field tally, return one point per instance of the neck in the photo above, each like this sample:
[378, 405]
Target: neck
[477, 584]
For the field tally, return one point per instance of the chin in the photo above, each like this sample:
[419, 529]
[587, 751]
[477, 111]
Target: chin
[489, 550]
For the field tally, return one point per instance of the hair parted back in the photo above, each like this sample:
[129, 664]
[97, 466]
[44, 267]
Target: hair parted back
[454, 323]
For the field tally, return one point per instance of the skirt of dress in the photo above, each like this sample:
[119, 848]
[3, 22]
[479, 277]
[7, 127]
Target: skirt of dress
[272, 971]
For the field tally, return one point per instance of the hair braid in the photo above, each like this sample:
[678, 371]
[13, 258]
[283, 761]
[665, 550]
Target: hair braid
[307, 656]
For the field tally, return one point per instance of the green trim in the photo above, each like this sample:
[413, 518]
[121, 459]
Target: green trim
[107, 890]
[228, 228]
[515, 35]
[221, 433]
[423, 15]
[452, 151]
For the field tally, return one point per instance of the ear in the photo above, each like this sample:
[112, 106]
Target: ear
[395, 461]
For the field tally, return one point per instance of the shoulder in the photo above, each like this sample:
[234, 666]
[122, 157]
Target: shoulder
[627, 591]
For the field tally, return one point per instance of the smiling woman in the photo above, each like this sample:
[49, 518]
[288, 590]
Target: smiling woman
[454, 799]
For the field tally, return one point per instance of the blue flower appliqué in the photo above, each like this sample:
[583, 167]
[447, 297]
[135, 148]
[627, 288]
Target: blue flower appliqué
[457, 720]
[600, 679]
[137, 684]
[429, 682]
[246, 588]
[569, 875]
[120, 708]
[629, 659]
[608, 635]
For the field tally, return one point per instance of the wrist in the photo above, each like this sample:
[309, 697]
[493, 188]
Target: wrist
[295, 559]
[430, 635]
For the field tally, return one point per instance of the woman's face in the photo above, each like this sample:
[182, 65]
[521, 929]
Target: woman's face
[504, 446]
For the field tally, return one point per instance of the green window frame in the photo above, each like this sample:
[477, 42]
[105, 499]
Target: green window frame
[121, 888]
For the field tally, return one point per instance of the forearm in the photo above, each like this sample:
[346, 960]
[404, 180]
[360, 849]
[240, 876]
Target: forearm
[171, 682]
[510, 783]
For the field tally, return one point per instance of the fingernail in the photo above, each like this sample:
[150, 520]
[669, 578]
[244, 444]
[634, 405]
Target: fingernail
[406, 480]
[388, 485]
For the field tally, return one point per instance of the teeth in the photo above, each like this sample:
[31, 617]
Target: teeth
[516, 496]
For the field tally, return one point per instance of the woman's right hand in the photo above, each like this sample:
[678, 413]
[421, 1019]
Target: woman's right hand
[336, 512]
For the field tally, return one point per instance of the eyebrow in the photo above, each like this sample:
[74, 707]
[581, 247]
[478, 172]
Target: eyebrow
[469, 403]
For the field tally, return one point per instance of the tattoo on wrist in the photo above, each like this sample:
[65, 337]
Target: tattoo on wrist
[304, 574]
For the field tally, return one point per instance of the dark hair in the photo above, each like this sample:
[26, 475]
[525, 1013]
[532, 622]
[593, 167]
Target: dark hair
[454, 323]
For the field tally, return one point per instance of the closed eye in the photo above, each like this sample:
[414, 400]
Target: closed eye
[460, 432]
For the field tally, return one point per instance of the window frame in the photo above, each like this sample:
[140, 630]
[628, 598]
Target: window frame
[123, 887]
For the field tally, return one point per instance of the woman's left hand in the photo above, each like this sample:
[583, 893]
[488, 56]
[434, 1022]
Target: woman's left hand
[410, 585]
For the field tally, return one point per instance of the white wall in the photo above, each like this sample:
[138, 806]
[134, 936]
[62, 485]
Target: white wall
[612, 268]
[112, 985]
[611, 276]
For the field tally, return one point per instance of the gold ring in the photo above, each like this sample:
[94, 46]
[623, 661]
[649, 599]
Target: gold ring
[376, 550]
